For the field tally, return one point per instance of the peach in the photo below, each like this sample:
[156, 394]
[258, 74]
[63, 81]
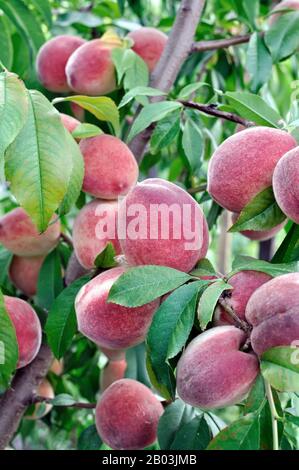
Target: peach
[285, 184]
[27, 327]
[243, 165]
[161, 224]
[19, 235]
[114, 355]
[51, 61]
[78, 111]
[69, 122]
[57, 367]
[286, 4]
[260, 235]
[113, 371]
[24, 272]
[110, 167]
[127, 415]
[110, 325]
[244, 283]
[273, 310]
[214, 372]
[44, 390]
[94, 227]
[149, 44]
[90, 69]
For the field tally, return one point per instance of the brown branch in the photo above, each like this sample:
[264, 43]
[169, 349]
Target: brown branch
[241, 324]
[198, 189]
[79, 405]
[211, 110]
[14, 402]
[174, 55]
[203, 46]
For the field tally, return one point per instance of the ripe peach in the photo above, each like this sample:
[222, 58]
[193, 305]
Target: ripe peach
[19, 235]
[161, 224]
[243, 165]
[260, 235]
[51, 61]
[244, 283]
[94, 227]
[274, 313]
[69, 122]
[285, 4]
[77, 111]
[114, 355]
[213, 372]
[110, 167]
[285, 184]
[127, 415]
[109, 325]
[113, 371]
[24, 271]
[45, 390]
[149, 44]
[27, 326]
[90, 70]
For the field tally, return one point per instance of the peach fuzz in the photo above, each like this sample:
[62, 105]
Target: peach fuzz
[110, 325]
[243, 165]
[154, 246]
[113, 371]
[45, 390]
[51, 61]
[260, 235]
[287, 5]
[19, 235]
[27, 327]
[110, 167]
[127, 415]
[91, 231]
[213, 372]
[90, 70]
[286, 184]
[24, 272]
[244, 284]
[273, 311]
[149, 44]
[69, 122]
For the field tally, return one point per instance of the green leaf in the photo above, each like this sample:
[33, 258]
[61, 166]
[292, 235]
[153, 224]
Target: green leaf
[61, 324]
[37, 163]
[259, 62]
[253, 108]
[289, 249]
[261, 213]
[195, 435]
[142, 284]
[242, 434]
[152, 112]
[5, 260]
[208, 302]
[8, 346]
[106, 259]
[121, 6]
[63, 399]
[193, 144]
[44, 9]
[139, 91]
[192, 88]
[282, 37]
[89, 439]
[256, 397]
[102, 107]
[130, 68]
[204, 268]
[246, 263]
[280, 367]
[85, 130]
[6, 52]
[49, 284]
[175, 416]
[165, 131]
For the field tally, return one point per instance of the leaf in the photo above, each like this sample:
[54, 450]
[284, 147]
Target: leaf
[139, 286]
[6, 52]
[282, 37]
[121, 6]
[259, 62]
[256, 396]
[152, 112]
[13, 109]
[242, 434]
[89, 439]
[61, 324]
[44, 8]
[85, 130]
[192, 88]
[63, 399]
[49, 284]
[261, 213]
[165, 131]
[130, 68]
[37, 163]
[289, 248]
[102, 107]
[195, 435]
[208, 302]
[246, 263]
[253, 108]
[139, 91]
[170, 329]
[193, 144]
[176, 415]
[8, 346]
[204, 268]
[5, 260]
[280, 367]
[106, 259]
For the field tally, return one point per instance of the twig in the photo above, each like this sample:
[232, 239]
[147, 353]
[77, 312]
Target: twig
[198, 189]
[67, 239]
[203, 46]
[241, 324]
[79, 405]
[274, 415]
[211, 110]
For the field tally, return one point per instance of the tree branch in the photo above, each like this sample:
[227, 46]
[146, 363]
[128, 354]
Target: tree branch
[14, 402]
[174, 55]
[241, 324]
[203, 46]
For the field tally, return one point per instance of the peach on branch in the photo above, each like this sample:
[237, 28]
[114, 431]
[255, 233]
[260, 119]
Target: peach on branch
[44, 390]
[69, 122]
[149, 44]
[113, 371]
[24, 272]
[286, 184]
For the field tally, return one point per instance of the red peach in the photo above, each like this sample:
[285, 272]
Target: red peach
[113, 371]
[77, 111]
[114, 355]
[45, 390]
[149, 44]
[110, 167]
[110, 325]
[286, 4]
[69, 122]
[285, 184]
[24, 272]
[51, 61]
[19, 235]
[213, 372]
[127, 415]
